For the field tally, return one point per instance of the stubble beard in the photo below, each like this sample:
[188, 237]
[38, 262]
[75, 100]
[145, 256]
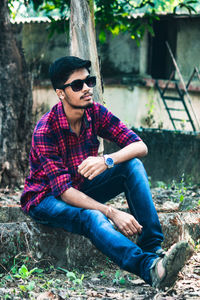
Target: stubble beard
[87, 105]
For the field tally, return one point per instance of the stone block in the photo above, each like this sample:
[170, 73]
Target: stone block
[12, 213]
[71, 250]
[179, 226]
[44, 243]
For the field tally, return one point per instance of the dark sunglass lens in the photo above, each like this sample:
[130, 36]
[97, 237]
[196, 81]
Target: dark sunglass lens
[91, 81]
[77, 85]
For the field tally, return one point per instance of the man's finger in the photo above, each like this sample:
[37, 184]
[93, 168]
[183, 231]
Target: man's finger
[94, 174]
[83, 164]
[83, 170]
[137, 225]
[132, 230]
[87, 174]
[129, 232]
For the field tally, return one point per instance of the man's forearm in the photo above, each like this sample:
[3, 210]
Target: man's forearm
[79, 199]
[136, 149]
[95, 165]
[126, 223]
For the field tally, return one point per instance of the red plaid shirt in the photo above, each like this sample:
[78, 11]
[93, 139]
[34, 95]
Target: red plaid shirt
[56, 151]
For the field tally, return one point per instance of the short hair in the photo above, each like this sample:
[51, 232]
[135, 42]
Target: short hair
[62, 68]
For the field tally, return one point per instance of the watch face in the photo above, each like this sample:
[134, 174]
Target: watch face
[109, 161]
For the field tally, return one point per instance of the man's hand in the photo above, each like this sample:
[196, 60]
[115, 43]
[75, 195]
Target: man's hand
[92, 166]
[126, 223]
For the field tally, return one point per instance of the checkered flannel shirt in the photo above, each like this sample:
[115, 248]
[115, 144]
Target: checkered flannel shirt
[56, 151]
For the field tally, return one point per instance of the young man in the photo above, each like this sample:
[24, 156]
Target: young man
[69, 183]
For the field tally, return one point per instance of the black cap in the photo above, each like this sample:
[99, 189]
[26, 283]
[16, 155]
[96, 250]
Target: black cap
[63, 67]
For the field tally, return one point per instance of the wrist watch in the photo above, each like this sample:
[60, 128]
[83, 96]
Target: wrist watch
[108, 161]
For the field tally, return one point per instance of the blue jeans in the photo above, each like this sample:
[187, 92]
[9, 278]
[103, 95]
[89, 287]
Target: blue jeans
[129, 177]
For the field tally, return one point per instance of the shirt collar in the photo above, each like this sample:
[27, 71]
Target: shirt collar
[63, 120]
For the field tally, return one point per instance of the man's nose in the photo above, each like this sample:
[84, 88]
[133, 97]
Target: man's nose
[85, 87]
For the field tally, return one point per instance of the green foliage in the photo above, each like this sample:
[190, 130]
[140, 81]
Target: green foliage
[118, 278]
[52, 9]
[103, 274]
[73, 277]
[28, 287]
[188, 5]
[22, 277]
[196, 244]
[161, 184]
[27, 280]
[23, 272]
[115, 16]
[149, 180]
[180, 188]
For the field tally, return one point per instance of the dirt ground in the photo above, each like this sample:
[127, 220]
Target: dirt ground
[106, 281]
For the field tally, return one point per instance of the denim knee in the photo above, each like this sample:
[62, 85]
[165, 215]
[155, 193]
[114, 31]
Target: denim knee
[134, 165]
[93, 219]
[93, 216]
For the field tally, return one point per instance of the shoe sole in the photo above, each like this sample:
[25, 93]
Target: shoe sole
[173, 262]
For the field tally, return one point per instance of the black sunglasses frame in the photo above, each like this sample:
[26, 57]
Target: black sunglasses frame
[77, 84]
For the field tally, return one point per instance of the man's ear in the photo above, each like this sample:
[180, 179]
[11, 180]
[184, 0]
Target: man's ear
[60, 94]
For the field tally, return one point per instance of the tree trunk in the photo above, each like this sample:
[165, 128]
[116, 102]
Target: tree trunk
[15, 106]
[83, 40]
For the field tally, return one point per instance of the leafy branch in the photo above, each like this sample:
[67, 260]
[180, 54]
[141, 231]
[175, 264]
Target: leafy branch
[115, 16]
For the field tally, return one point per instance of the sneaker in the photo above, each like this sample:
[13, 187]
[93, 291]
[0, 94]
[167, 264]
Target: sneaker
[173, 261]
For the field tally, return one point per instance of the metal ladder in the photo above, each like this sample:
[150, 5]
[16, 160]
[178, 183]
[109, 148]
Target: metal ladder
[181, 95]
[180, 98]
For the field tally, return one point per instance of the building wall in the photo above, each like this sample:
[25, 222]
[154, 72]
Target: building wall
[124, 66]
[188, 45]
[132, 106]
[171, 155]
[40, 51]
[119, 54]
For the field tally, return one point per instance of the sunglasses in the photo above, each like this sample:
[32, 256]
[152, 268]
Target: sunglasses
[77, 85]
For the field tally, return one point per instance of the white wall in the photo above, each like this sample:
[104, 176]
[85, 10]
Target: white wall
[130, 105]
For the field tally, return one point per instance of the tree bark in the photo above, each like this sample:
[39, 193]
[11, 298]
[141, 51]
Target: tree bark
[15, 106]
[83, 42]
[83, 38]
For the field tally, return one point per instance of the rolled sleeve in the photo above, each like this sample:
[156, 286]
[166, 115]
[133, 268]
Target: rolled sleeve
[52, 164]
[114, 130]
